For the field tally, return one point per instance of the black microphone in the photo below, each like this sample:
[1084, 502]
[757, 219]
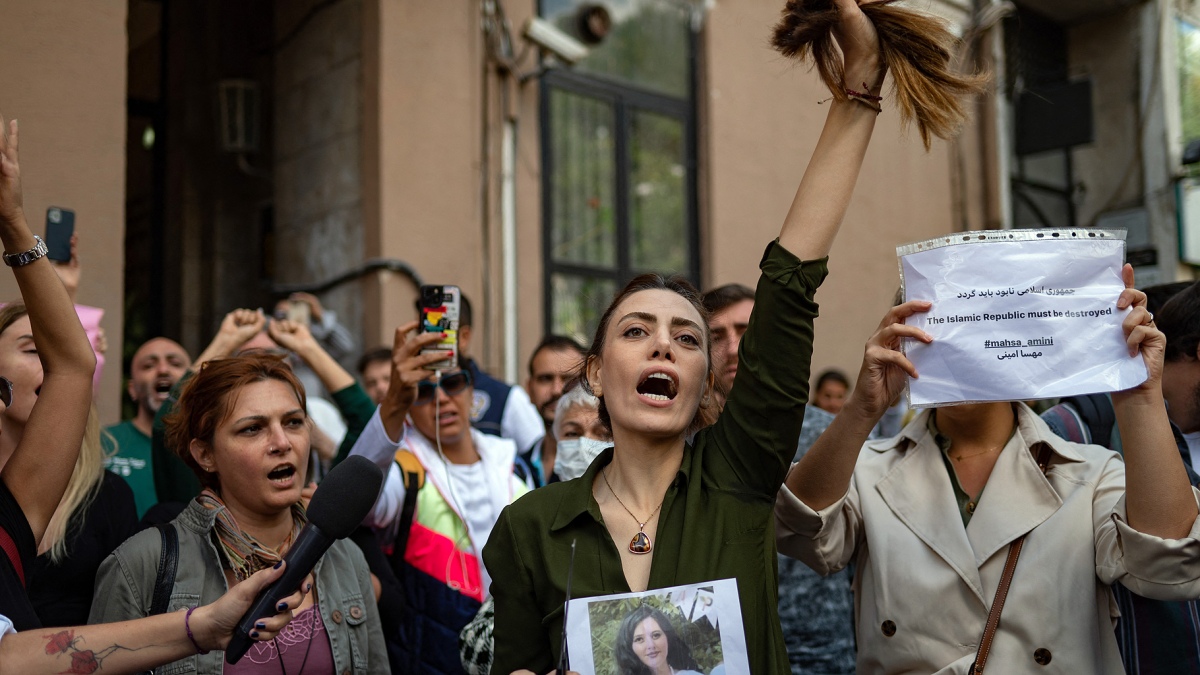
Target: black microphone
[337, 508]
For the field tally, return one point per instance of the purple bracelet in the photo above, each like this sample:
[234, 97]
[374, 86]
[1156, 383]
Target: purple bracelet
[187, 618]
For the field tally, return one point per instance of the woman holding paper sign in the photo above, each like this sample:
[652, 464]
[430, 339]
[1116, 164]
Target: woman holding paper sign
[657, 511]
[931, 519]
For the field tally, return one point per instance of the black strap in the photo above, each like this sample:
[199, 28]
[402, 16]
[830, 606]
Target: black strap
[1098, 414]
[168, 561]
[412, 485]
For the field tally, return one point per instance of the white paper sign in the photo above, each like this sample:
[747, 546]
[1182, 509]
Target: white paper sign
[1018, 315]
[693, 630]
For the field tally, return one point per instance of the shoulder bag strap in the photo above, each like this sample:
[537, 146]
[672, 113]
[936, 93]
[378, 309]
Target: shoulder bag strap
[14, 555]
[1010, 566]
[413, 475]
[168, 560]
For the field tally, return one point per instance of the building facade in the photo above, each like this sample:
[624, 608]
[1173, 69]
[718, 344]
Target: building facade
[220, 153]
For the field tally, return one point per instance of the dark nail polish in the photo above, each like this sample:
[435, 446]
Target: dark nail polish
[278, 565]
[254, 634]
[261, 625]
[281, 606]
[308, 587]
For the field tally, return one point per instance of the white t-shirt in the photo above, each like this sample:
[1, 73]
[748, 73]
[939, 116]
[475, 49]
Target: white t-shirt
[472, 499]
[469, 491]
[6, 627]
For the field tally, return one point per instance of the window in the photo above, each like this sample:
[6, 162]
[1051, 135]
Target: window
[1189, 78]
[618, 160]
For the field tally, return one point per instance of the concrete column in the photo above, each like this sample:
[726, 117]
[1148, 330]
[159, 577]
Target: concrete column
[63, 78]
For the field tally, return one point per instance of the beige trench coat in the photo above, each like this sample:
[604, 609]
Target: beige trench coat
[924, 583]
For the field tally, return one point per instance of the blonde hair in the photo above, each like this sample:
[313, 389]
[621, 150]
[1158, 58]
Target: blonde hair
[917, 48]
[81, 490]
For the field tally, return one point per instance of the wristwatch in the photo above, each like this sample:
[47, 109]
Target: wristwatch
[25, 257]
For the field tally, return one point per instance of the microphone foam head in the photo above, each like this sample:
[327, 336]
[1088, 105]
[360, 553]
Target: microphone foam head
[345, 496]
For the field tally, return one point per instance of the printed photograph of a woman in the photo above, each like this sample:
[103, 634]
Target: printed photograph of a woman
[647, 644]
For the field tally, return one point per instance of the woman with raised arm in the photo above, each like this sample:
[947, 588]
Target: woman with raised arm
[36, 471]
[930, 518]
[656, 511]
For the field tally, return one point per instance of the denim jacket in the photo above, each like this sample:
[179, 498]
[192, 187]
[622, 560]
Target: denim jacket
[125, 584]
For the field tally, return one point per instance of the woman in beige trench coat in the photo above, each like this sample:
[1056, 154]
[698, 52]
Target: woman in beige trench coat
[927, 517]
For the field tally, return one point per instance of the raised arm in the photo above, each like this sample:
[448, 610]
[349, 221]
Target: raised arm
[298, 338]
[237, 328]
[820, 203]
[1158, 496]
[408, 368]
[765, 408]
[822, 476]
[40, 467]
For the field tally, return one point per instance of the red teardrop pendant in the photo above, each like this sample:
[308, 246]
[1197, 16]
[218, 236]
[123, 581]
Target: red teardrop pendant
[640, 543]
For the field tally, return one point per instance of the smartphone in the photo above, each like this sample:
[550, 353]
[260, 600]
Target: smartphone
[299, 312]
[439, 307]
[60, 227]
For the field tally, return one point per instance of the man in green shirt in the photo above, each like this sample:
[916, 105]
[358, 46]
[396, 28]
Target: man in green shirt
[156, 366]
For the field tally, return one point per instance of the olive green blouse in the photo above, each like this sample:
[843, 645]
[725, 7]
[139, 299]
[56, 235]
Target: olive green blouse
[717, 517]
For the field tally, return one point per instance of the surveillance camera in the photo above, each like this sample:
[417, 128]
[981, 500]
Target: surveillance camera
[549, 38]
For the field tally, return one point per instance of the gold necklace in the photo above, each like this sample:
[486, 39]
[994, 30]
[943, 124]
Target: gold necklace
[640, 544]
[975, 454]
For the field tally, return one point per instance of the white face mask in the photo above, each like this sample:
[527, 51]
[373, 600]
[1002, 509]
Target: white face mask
[575, 455]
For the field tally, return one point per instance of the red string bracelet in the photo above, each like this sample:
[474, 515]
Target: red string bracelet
[188, 627]
[864, 94]
[866, 98]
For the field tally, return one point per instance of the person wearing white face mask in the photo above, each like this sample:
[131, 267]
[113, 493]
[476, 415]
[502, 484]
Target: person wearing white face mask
[580, 434]
[581, 437]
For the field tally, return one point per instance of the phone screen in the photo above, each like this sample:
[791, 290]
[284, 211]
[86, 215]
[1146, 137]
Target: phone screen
[299, 312]
[60, 227]
[440, 307]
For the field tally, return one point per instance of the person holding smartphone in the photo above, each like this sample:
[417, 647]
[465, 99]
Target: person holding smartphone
[461, 479]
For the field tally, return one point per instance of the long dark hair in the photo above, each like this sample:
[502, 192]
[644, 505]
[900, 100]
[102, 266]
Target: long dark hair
[918, 50]
[706, 414]
[679, 656]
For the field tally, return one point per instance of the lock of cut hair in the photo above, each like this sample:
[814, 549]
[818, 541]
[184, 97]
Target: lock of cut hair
[917, 48]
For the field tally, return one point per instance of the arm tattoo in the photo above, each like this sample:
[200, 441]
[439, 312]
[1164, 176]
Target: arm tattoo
[83, 661]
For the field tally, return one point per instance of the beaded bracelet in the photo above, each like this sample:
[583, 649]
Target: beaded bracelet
[187, 618]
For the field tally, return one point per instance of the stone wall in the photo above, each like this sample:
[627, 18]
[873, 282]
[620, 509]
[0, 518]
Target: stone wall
[318, 230]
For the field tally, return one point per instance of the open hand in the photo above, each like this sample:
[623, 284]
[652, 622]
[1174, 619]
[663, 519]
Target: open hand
[409, 364]
[408, 368]
[885, 368]
[1141, 335]
[10, 174]
[213, 624]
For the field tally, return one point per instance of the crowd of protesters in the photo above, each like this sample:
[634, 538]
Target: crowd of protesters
[856, 530]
